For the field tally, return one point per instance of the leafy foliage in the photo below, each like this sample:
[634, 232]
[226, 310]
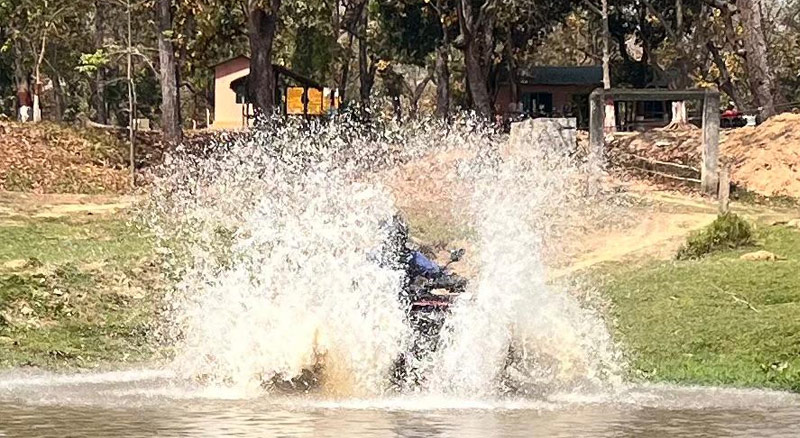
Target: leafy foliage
[728, 231]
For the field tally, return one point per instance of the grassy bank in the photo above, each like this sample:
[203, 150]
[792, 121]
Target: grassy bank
[718, 320]
[74, 292]
[83, 290]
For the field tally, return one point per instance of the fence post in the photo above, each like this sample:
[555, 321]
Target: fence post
[596, 138]
[724, 190]
[596, 116]
[708, 172]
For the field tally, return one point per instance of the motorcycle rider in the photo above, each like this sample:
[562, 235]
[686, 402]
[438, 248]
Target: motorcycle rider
[422, 274]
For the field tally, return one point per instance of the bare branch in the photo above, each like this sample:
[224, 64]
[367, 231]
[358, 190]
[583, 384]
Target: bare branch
[664, 23]
[592, 7]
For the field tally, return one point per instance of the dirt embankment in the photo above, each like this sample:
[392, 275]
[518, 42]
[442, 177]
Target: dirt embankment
[763, 159]
[58, 158]
[51, 158]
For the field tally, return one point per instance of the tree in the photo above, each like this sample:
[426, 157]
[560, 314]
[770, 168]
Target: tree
[487, 26]
[170, 92]
[262, 24]
[475, 23]
[755, 54]
[418, 33]
[99, 101]
[609, 123]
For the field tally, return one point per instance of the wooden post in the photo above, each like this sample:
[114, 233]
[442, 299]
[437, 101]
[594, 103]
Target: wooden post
[596, 118]
[708, 172]
[305, 101]
[724, 190]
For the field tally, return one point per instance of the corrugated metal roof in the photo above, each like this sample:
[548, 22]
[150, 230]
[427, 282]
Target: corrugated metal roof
[550, 75]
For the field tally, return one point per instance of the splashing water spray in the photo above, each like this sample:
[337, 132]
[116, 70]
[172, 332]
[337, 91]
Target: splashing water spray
[270, 239]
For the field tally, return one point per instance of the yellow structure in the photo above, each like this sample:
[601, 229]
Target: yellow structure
[319, 101]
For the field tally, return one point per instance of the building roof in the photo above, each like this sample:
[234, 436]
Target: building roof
[552, 75]
[225, 61]
[281, 70]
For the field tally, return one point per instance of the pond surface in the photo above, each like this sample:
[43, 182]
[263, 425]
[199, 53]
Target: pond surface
[148, 403]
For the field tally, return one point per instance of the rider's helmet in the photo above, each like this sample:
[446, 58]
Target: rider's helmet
[395, 249]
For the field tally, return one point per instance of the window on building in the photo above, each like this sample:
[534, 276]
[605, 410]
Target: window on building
[241, 94]
[537, 103]
[655, 109]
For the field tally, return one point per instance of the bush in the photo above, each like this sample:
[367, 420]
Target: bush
[726, 232]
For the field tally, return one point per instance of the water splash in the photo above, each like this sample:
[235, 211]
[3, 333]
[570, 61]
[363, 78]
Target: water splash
[270, 239]
[517, 333]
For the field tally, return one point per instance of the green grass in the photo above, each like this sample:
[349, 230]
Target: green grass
[75, 293]
[61, 240]
[717, 320]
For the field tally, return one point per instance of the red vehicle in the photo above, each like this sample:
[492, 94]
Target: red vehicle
[732, 118]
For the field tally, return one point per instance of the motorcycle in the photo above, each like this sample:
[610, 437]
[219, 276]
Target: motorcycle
[427, 299]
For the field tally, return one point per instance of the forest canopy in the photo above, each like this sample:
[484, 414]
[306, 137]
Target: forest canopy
[110, 60]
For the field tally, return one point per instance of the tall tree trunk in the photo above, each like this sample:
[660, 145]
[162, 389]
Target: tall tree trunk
[756, 60]
[262, 25]
[726, 81]
[345, 76]
[477, 82]
[417, 94]
[442, 68]
[99, 98]
[170, 93]
[37, 82]
[513, 79]
[365, 70]
[23, 83]
[131, 95]
[475, 72]
[610, 120]
[442, 83]
[58, 101]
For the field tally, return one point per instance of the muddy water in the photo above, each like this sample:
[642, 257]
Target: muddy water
[152, 403]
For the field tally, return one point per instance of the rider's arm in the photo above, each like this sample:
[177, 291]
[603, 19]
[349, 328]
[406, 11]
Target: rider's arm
[424, 266]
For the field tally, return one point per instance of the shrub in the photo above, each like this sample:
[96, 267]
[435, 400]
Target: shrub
[726, 232]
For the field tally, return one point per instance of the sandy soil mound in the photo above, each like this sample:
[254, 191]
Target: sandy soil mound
[50, 158]
[764, 159]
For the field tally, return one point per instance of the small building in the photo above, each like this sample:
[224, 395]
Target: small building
[550, 91]
[228, 106]
[556, 91]
[294, 94]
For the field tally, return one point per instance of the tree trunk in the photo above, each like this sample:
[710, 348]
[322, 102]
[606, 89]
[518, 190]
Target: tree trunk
[262, 25]
[23, 83]
[442, 83]
[477, 82]
[679, 117]
[610, 120]
[345, 76]
[37, 83]
[442, 68]
[513, 79]
[58, 102]
[726, 81]
[475, 73]
[417, 94]
[365, 70]
[756, 60]
[99, 100]
[170, 93]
